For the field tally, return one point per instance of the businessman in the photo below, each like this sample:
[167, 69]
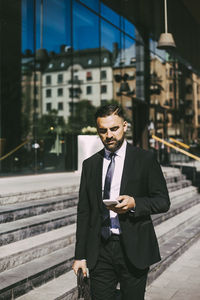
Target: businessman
[118, 243]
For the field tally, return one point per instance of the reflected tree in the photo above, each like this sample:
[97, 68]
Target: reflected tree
[83, 116]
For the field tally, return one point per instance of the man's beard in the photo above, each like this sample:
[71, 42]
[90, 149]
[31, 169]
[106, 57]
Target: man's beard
[116, 144]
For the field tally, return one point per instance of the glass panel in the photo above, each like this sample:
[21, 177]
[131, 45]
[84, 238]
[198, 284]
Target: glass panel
[110, 15]
[94, 4]
[110, 50]
[83, 75]
[140, 67]
[129, 28]
[56, 24]
[44, 108]
[27, 25]
[85, 28]
[110, 37]
[125, 75]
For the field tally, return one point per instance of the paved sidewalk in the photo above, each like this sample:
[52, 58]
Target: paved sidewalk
[181, 281]
[31, 183]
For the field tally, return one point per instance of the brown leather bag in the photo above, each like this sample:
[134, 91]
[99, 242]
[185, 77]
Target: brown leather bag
[83, 284]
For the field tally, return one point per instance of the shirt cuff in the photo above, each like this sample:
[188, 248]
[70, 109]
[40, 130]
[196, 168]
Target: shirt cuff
[132, 210]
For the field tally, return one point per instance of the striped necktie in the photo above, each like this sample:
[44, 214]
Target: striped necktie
[105, 231]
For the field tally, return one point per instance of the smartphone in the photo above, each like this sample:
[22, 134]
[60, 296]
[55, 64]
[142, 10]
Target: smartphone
[109, 202]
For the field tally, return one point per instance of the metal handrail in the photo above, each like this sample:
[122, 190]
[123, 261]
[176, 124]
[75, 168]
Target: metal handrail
[175, 147]
[179, 143]
[14, 150]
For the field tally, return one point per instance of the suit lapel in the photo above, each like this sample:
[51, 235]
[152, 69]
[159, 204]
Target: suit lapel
[128, 167]
[99, 169]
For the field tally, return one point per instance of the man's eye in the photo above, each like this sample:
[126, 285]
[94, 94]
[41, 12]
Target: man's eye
[102, 130]
[114, 128]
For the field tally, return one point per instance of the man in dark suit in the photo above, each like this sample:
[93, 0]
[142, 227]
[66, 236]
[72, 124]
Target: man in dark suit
[117, 242]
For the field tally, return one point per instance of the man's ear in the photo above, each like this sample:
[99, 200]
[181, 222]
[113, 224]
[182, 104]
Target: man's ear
[125, 124]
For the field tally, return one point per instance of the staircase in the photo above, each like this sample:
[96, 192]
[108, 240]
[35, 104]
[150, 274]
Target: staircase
[37, 237]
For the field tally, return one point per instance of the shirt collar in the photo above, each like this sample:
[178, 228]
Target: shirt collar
[120, 152]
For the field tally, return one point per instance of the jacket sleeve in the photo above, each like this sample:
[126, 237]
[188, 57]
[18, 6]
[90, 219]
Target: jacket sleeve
[83, 214]
[157, 199]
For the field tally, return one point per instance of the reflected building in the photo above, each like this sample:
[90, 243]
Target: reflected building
[64, 52]
[72, 76]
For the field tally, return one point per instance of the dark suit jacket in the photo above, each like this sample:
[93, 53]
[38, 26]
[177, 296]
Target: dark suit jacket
[142, 179]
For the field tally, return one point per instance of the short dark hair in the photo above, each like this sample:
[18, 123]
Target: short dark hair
[108, 110]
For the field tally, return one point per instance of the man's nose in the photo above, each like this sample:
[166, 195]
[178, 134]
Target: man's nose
[109, 134]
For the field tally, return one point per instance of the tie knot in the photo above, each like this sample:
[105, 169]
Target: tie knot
[112, 155]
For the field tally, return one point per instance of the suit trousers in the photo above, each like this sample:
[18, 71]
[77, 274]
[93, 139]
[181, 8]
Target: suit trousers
[113, 267]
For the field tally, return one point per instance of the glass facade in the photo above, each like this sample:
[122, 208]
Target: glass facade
[68, 57]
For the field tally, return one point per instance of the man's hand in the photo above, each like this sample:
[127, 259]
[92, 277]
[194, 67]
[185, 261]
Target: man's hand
[126, 203]
[80, 264]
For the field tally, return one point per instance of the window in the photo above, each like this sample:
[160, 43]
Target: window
[122, 61]
[132, 61]
[198, 103]
[89, 61]
[60, 92]
[35, 77]
[103, 89]
[48, 106]
[199, 119]
[171, 87]
[88, 90]
[36, 90]
[60, 105]
[72, 107]
[189, 89]
[105, 60]
[85, 27]
[48, 79]
[75, 76]
[103, 74]
[89, 76]
[35, 103]
[171, 72]
[62, 64]
[60, 78]
[74, 92]
[171, 102]
[48, 93]
[50, 66]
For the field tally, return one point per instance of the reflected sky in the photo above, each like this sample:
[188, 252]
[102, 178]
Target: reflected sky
[86, 23]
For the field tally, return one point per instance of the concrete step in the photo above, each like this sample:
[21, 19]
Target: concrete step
[174, 247]
[38, 250]
[170, 173]
[173, 186]
[174, 236]
[20, 280]
[184, 192]
[180, 201]
[63, 287]
[166, 230]
[24, 228]
[175, 178]
[39, 194]
[27, 209]
[23, 251]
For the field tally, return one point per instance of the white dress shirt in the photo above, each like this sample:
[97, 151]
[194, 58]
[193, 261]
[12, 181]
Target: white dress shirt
[117, 176]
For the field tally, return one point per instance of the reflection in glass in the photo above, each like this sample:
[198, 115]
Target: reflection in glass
[129, 28]
[85, 28]
[93, 4]
[110, 15]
